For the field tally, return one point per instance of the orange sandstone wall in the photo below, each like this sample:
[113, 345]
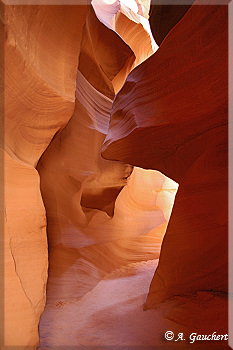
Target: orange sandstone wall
[95, 211]
[170, 117]
[41, 57]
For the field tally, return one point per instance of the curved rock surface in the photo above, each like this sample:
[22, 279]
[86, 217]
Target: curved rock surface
[40, 75]
[92, 219]
[41, 59]
[164, 17]
[106, 217]
[171, 115]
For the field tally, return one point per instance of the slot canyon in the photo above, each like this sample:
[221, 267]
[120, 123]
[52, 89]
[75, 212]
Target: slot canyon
[115, 155]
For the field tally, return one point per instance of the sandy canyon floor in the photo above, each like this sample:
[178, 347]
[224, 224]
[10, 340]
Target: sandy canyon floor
[111, 316]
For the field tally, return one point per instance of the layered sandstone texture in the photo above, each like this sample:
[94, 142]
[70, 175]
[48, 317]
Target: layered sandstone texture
[41, 60]
[178, 125]
[101, 214]
[152, 126]
[100, 127]
[92, 221]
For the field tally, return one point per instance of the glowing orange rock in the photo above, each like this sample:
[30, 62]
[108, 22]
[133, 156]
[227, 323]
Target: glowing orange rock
[89, 214]
[41, 56]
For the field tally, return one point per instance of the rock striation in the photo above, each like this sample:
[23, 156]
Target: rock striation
[101, 125]
[96, 208]
[172, 115]
[41, 60]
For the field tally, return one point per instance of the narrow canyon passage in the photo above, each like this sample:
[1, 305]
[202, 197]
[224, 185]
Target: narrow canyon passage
[103, 217]
[110, 278]
[116, 175]
[93, 232]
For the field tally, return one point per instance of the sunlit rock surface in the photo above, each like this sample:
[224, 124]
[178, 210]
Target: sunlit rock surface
[41, 59]
[40, 75]
[171, 115]
[93, 221]
[106, 217]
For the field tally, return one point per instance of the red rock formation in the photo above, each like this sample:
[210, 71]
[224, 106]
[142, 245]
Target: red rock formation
[41, 56]
[171, 115]
[104, 214]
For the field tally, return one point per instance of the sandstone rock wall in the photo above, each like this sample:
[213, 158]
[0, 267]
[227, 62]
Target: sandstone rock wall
[90, 157]
[178, 125]
[41, 56]
[93, 221]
